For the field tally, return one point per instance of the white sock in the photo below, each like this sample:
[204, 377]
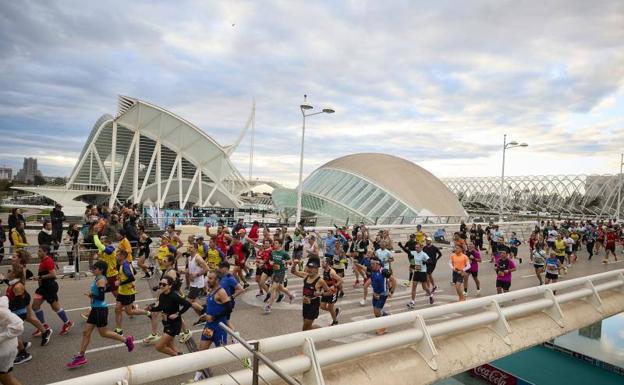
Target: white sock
[198, 376]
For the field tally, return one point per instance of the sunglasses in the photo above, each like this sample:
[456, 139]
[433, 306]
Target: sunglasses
[162, 284]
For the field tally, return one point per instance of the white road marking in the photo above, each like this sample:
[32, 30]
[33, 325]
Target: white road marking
[138, 342]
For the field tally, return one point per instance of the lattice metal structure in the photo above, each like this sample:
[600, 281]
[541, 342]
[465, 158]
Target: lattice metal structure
[149, 155]
[578, 195]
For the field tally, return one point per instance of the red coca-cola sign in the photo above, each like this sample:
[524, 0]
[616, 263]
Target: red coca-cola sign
[494, 375]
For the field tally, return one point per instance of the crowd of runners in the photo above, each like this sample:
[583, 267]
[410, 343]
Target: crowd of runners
[205, 273]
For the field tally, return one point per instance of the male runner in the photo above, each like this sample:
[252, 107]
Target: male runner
[504, 266]
[434, 255]
[229, 283]
[330, 297]
[126, 292]
[418, 267]
[475, 258]
[279, 259]
[383, 284]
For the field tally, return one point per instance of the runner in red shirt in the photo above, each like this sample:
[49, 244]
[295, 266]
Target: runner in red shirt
[264, 268]
[610, 240]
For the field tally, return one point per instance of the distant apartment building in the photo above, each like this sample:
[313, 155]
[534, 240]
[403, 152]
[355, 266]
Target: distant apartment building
[28, 172]
[6, 173]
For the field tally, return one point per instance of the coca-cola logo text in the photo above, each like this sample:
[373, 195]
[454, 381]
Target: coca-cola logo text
[493, 375]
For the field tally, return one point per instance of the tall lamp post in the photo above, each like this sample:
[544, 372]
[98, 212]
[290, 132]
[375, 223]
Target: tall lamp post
[619, 204]
[506, 146]
[305, 106]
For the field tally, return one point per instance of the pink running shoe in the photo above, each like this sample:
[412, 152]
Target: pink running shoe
[77, 362]
[130, 343]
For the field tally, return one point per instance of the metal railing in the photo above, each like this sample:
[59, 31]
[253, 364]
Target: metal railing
[492, 311]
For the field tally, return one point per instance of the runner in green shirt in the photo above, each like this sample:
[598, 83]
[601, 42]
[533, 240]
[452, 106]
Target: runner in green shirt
[279, 260]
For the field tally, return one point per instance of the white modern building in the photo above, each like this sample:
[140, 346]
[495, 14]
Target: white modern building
[146, 154]
[373, 188]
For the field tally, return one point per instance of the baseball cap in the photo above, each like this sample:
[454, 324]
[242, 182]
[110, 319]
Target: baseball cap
[428, 239]
[313, 263]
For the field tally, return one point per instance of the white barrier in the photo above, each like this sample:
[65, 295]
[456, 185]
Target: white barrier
[485, 311]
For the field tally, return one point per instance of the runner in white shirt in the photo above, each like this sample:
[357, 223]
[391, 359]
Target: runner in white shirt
[419, 258]
[384, 255]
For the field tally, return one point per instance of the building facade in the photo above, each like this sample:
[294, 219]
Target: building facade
[28, 172]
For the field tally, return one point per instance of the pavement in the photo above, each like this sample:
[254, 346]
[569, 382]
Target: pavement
[48, 363]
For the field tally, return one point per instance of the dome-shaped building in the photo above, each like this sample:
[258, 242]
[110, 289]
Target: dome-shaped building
[371, 187]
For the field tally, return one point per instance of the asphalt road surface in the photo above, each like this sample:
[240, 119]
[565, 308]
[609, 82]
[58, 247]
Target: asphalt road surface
[48, 363]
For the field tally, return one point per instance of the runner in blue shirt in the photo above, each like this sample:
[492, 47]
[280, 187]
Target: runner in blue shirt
[231, 286]
[383, 285]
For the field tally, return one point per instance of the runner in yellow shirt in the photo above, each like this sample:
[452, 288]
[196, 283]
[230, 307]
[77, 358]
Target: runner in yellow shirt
[124, 244]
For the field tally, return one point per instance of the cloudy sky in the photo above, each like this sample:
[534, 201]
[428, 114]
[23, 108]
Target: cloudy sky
[436, 82]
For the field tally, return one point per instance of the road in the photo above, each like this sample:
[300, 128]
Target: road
[48, 364]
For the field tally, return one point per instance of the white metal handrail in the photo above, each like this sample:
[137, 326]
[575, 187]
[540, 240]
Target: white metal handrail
[489, 312]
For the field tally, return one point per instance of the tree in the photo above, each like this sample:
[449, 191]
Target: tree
[39, 180]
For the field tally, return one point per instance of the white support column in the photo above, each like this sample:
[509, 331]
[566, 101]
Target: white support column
[190, 188]
[135, 180]
[180, 199]
[112, 168]
[554, 311]
[200, 187]
[500, 326]
[148, 172]
[314, 376]
[158, 172]
[425, 347]
[95, 153]
[125, 167]
[90, 167]
[173, 170]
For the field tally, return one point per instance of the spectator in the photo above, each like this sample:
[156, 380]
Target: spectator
[18, 236]
[57, 217]
[14, 218]
[45, 236]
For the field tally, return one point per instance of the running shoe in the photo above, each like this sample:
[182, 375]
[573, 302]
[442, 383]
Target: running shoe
[249, 273]
[22, 357]
[431, 300]
[280, 297]
[77, 361]
[185, 336]
[145, 276]
[341, 294]
[130, 343]
[260, 294]
[465, 293]
[27, 345]
[406, 283]
[45, 337]
[356, 284]
[151, 338]
[266, 298]
[37, 332]
[245, 285]
[520, 260]
[291, 298]
[411, 305]
[246, 362]
[267, 309]
[67, 327]
[362, 303]
[478, 292]
[434, 289]
[119, 331]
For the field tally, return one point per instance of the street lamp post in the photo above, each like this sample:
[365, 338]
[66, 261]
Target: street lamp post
[506, 146]
[619, 204]
[305, 106]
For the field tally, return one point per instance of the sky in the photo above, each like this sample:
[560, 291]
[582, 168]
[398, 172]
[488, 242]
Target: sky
[436, 82]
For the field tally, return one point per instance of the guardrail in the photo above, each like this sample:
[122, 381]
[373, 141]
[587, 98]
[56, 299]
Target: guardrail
[492, 311]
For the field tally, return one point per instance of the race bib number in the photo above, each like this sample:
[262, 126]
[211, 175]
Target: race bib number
[417, 267]
[208, 333]
[306, 300]
[276, 267]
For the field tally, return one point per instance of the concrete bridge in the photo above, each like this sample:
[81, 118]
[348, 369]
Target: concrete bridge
[421, 346]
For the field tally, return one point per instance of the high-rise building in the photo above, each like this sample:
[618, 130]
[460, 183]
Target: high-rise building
[28, 172]
[6, 173]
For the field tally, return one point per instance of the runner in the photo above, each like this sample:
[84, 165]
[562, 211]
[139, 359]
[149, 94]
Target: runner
[367, 271]
[340, 264]
[174, 237]
[98, 316]
[231, 286]
[418, 267]
[514, 243]
[330, 296]
[218, 309]
[124, 244]
[214, 255]
[12, 327]
[264, 269]
[108, 254]
[313, 287]
[237, 251]
[553, 267]
[172, 306]
[610, 239]
[279, 259]
[360, 249]
[459, 263]
[383, 284]
[420, 235]
[475, 258]
[570, 244]
[19, 304]
[384, 255]
[329, 246]
[48, 292]
[560, 250]
[126, 292]
[197, 268]
[539, 260]
[434, 255]
[408, 248]
[144, 253]
[504, 267]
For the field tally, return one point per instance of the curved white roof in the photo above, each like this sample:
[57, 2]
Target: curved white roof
[410, 183]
